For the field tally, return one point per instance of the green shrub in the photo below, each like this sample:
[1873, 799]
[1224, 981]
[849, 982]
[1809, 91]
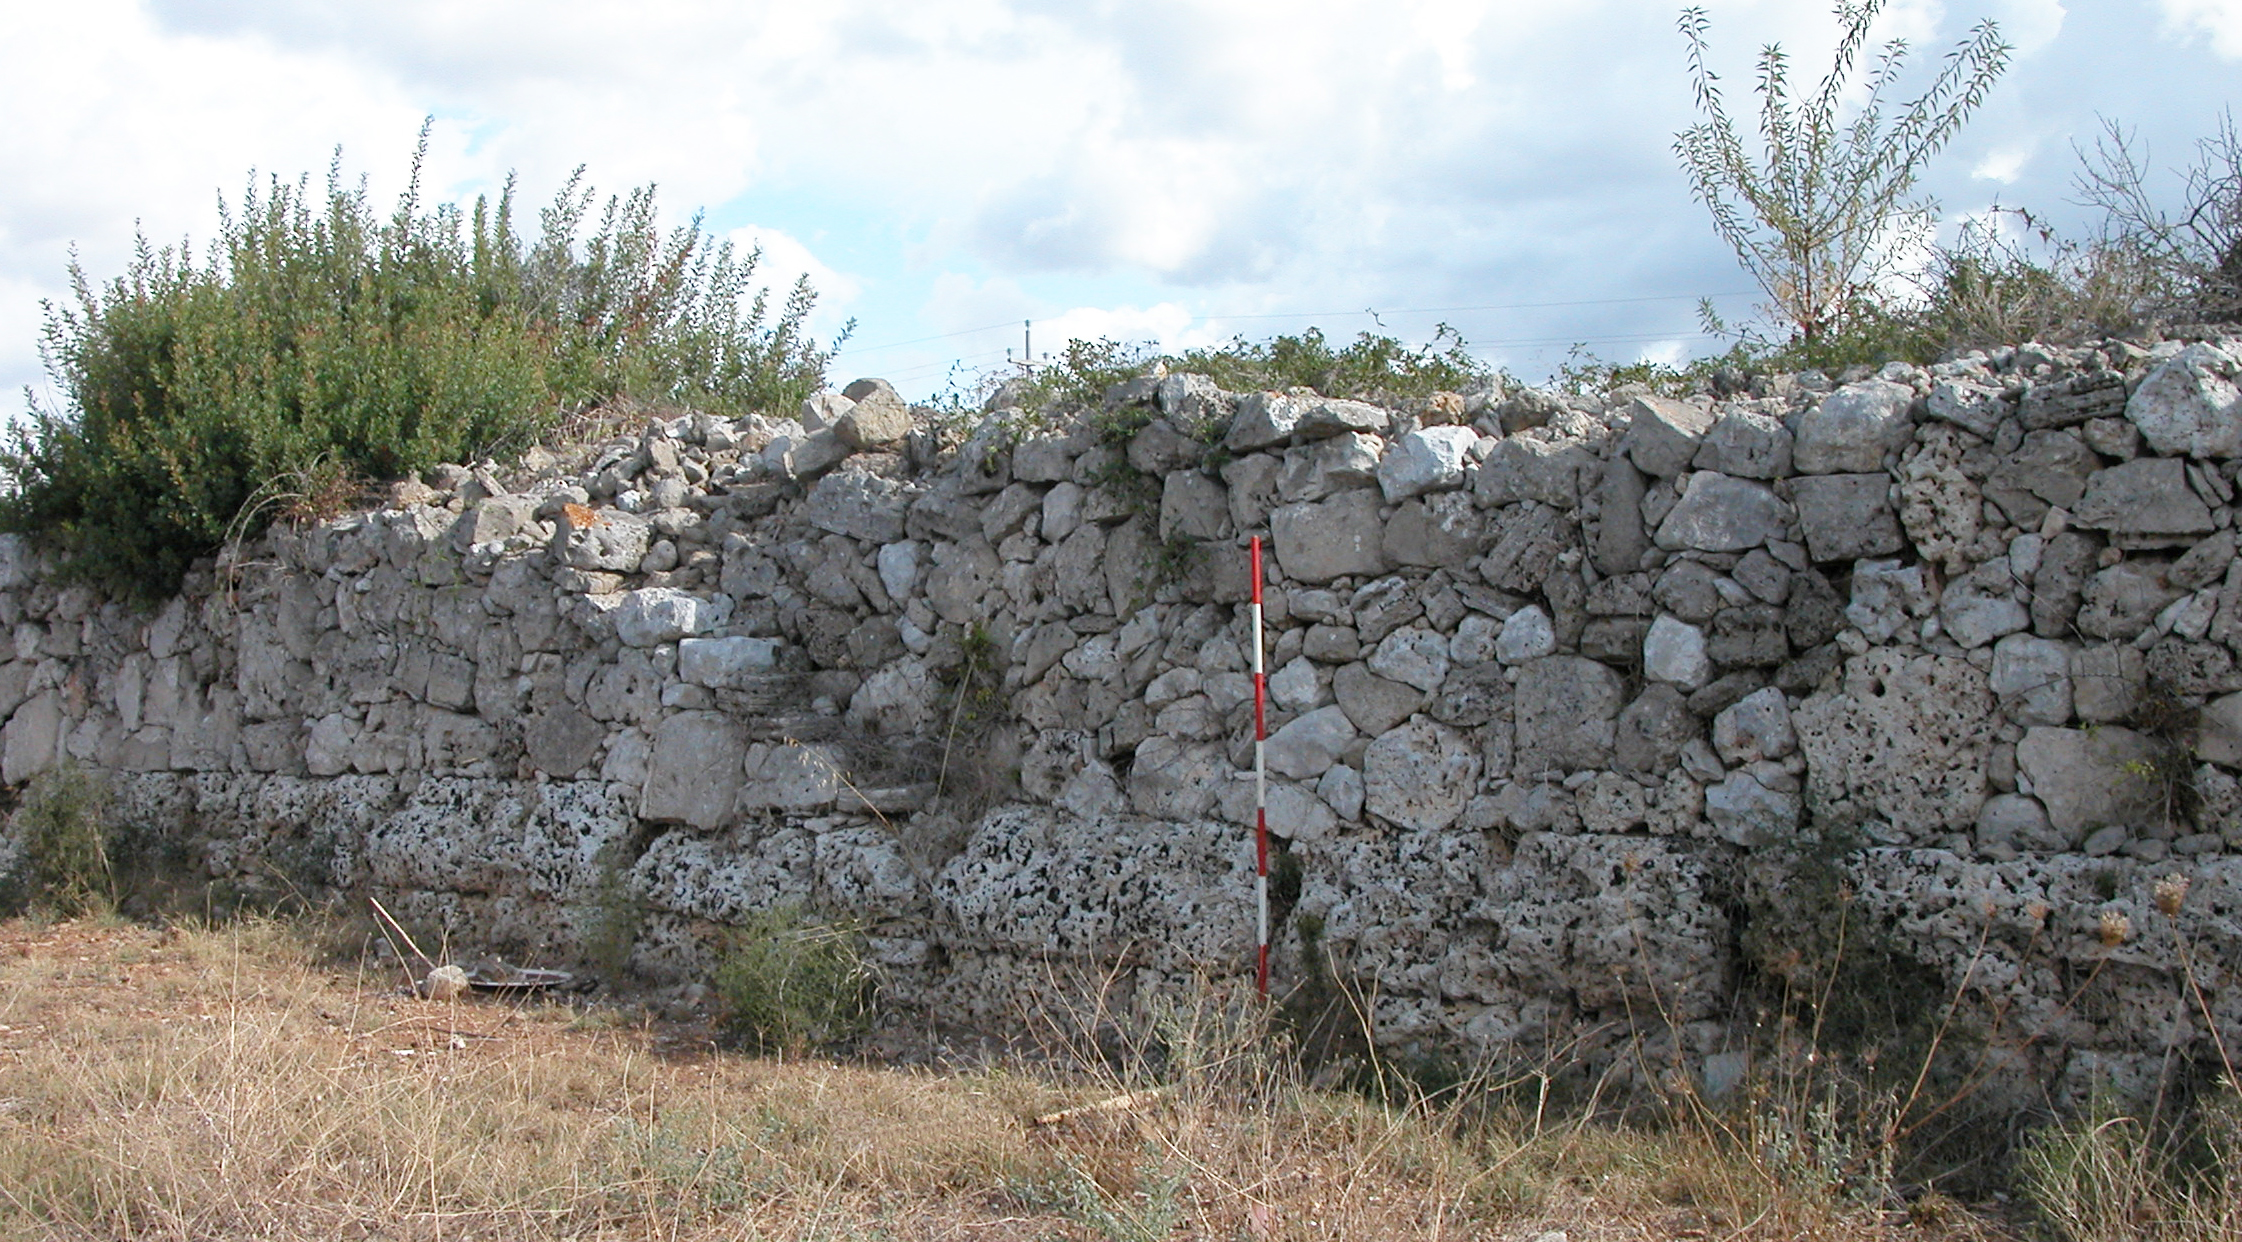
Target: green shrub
[62, 838]
[321, 343]
[788, 983]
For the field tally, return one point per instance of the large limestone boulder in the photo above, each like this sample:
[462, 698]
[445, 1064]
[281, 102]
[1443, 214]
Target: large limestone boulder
[1566, 708]
[1717, 513]
[1904, 740]
[1334, 538]
[1420, 775]
[1852, 429]
[695, 772]
[2190, 404]
[2091, 778]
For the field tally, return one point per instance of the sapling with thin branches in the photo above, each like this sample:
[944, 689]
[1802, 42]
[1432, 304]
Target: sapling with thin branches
[1822, 216]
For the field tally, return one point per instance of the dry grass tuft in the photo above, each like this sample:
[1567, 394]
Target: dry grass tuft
[219, 1083]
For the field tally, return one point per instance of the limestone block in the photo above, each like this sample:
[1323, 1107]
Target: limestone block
[1747, 445]
[2121, 601]
[2189, 404]
[962, 585]
[1419, 775]
[2016, 823]
[2091, 778]
[1851, 430]
[2032, 679]
[1903, 739]
[1193, 506]
[1530, 541]
[2048, 468]
[1375, 704]
[1653, 729]
[1340, 788]
[860, 504]
[1755, 727]
[2145, 496]
[563, 740]
[1674, 653]
[2107, 681]
[1334, 538]
[1316, 470]
[879, 420]
[1296, 813]
[1565, 711]
[1526, 635]
[1307, 746]
[1745, 812]
[1535, 467]
[606, 540]
[1981, 606]
[1620, 538]
[695, 771]
[655, 615]
[1442, 530]
[1265, 418]
[1173, 779]
[1474, 695]
[1886, 595]
[1663, 434]
[1430, 460]
[1413, 656]
[1974, 407]
[1846, 516]
[1717, 513]
[787, 777]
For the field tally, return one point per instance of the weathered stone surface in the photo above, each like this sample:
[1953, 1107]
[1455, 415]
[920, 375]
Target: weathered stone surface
[1526, 635]
[1442, 530]
[1530, 467]
[2032, 679]
[1419, 775]
[2060, 582]
[1334, 538]
[607, 540]
[1337, 417]
[1745, 812]
[657, 615]
[1310, 744]
[695, 770]
[1413, 656]
[1976, 408]
[1663, 434]
[1431, 460]
[1375, 704]
[2072, 399]
[2107, 682]
[725, 663]
[1193, 506]
[563, 741]
[1746, 444]
[1721, 514]
[1653, 729]
[1756, 727]
[1852, 429]
[879, 421]
[1173, 779]
[2148, 495]
[2048, 468]
[1529, 541]
[1620, 539]
[1674, 653]
[1749, 635]
[2011, 824]
[2218, 735]
[1565, 710]
[2189, 404]
[1265, 418]
[1688, 590]
[1847, 516]
[2119, 602]
[2090, 778]
[1940, 504]
[1473, 695]
[1981, 606]
[1316, 470]
[1903, 740]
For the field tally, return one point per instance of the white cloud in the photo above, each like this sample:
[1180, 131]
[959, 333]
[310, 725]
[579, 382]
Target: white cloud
[786, 260]
[2002, 164]
[2220, 21]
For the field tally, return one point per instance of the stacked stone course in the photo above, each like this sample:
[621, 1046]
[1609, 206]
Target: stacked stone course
[1553, 679]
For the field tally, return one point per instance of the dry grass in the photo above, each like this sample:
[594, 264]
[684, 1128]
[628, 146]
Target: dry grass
[224, 1083]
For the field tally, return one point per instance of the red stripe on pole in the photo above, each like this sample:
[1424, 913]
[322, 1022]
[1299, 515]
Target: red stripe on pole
[1260, 788]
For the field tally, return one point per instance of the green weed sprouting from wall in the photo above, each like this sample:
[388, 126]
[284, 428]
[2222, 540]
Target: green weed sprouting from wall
[318, 337]
[788, 983]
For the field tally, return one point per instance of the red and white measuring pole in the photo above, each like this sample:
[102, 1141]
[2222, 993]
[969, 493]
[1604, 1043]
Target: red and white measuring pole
[1260, 790]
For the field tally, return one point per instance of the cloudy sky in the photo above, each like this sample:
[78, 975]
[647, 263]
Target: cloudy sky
[1179, 170]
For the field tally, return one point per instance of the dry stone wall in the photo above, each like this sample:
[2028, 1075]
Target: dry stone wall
[1562, 690]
